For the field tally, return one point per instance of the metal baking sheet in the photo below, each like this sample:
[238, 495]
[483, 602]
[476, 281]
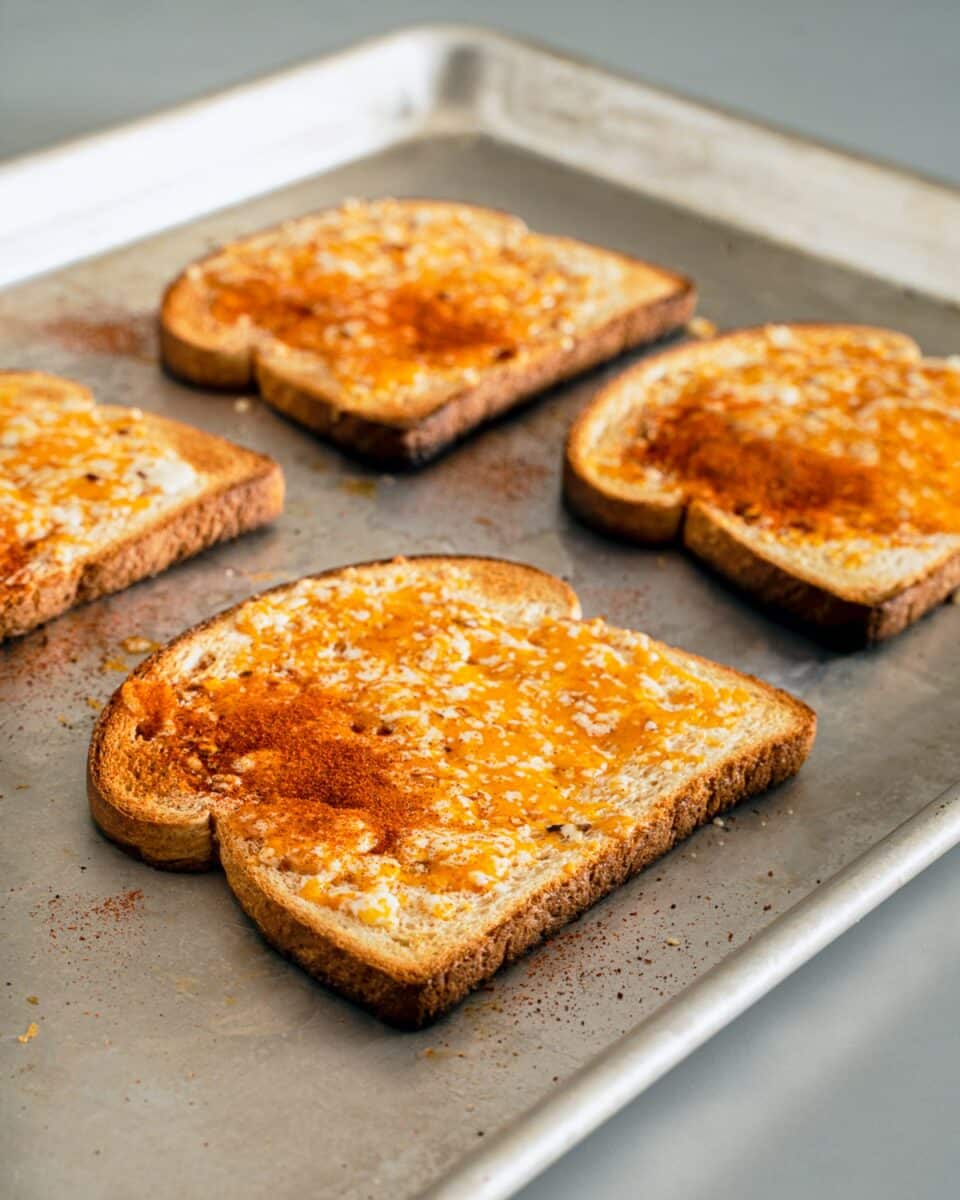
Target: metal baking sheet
[151, 1043]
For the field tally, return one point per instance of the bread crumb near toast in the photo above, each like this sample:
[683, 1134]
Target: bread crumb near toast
[94, 497]
[817, 466]
[412, 771]
[395, 326]
[701, 327]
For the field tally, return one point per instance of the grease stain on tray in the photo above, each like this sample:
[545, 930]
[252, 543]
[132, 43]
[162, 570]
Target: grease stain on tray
[510, 477]
[358, 486]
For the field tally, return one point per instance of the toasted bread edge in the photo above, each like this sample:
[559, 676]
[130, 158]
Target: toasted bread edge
[843, 622]
[227, 366]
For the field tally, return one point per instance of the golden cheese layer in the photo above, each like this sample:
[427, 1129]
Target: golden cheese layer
[73, 475]
[392, 296]
[406, 750]
[823, 436]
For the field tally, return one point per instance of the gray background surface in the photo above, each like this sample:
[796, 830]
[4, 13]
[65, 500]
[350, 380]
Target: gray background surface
[845, 1080]
[878, 76]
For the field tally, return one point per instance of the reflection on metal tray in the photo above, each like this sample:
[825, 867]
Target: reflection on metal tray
[163, 1020]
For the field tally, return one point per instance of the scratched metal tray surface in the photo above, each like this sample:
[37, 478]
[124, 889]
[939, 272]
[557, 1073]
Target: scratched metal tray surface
[152, 1043]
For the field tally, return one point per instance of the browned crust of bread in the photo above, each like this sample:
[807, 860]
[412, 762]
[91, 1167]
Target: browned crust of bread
[226, 368]
[844, 623]
[396, 443]
[412, 996]
[247, 492]
[841, 621]
[180, 844]
[650, 524]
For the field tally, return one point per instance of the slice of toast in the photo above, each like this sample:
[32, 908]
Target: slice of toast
[395, 326]
[815, 466]
[413, 771]
[94, 497]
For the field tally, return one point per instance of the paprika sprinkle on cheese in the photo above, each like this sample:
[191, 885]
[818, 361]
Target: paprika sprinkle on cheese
[406, 751]
[397, 298]
[826, 438]
[73, 475]
[385, 292]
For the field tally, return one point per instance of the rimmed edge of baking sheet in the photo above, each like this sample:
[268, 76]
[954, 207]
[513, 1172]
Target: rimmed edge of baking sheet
[516, 1155]
[166, 169]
